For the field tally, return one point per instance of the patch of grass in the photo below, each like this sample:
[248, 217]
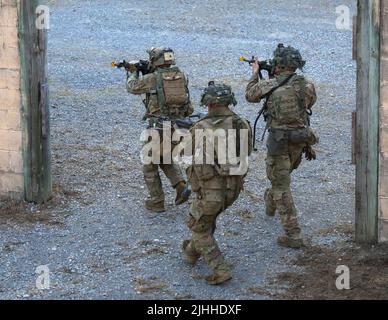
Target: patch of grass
[246, 214]
[260, 291]
[149, 286]
[66, 270]
[23, 213]
[12, 246]
[230, 234]
[253, 196]
[155, 250]
[19, 212]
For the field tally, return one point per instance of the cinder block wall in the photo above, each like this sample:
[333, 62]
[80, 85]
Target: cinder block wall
[11, 160]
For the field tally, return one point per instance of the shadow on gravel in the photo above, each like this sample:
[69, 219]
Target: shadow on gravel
[368, 272]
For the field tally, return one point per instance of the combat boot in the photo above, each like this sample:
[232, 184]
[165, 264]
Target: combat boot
[182, 193]
[270, 206]
[155, 205]
[191, 255]
[294, 242]
[218, 278]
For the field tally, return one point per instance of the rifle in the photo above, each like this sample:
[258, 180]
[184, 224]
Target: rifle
[142, 66]
[266, 65]
[185, 123]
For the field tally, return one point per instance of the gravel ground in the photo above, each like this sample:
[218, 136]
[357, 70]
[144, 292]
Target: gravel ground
[95, 236]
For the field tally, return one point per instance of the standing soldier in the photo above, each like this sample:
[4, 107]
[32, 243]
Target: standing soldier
[215, 185]
[167, 97]
[289, 99]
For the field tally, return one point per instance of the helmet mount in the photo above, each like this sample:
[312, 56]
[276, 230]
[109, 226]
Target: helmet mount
[219, 94]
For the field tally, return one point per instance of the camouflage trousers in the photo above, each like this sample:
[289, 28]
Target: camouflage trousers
[152, 178]
[279, 197]
[204, 210]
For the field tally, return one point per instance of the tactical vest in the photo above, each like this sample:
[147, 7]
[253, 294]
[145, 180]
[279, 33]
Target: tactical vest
[214, 182]
[287, 106]
[172, 92]
[207, 172]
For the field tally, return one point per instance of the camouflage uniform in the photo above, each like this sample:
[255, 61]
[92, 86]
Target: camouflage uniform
[215, 189]
[148, 85]
[289, 135]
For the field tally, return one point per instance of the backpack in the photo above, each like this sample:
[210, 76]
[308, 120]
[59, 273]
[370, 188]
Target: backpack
[226, 123]
[172, 91]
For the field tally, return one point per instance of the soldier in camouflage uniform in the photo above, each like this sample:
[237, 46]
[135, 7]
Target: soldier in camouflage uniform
[287, 115]
[216, 189]
[167, 97]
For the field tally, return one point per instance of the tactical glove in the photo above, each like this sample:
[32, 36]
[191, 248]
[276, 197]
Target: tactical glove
[309, 153]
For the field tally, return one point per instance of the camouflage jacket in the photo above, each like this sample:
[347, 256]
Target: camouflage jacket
[206, 175]
[147, 85]
[288, 105]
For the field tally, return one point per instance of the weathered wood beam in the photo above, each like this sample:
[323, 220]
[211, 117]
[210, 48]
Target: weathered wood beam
[367, 120]
[383, 180]
[36, 150]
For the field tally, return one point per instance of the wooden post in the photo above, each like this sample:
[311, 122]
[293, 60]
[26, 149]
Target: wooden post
[367, 120]
[383, 177]
[35, 107]
[354, 138]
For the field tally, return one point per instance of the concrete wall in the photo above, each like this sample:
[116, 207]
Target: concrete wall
[11, 160]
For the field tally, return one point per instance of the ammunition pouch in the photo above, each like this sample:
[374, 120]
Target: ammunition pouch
[277, 143]
[305, 135]
[279, 139]
[299, 136]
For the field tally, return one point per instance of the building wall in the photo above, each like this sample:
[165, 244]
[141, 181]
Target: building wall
[11, 160]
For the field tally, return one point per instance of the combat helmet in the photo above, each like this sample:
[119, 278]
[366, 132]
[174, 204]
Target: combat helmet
[218, 93]
[161, 56]
[288, 57]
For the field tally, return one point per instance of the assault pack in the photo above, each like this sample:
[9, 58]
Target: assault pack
[172, 91]
[289, 103]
